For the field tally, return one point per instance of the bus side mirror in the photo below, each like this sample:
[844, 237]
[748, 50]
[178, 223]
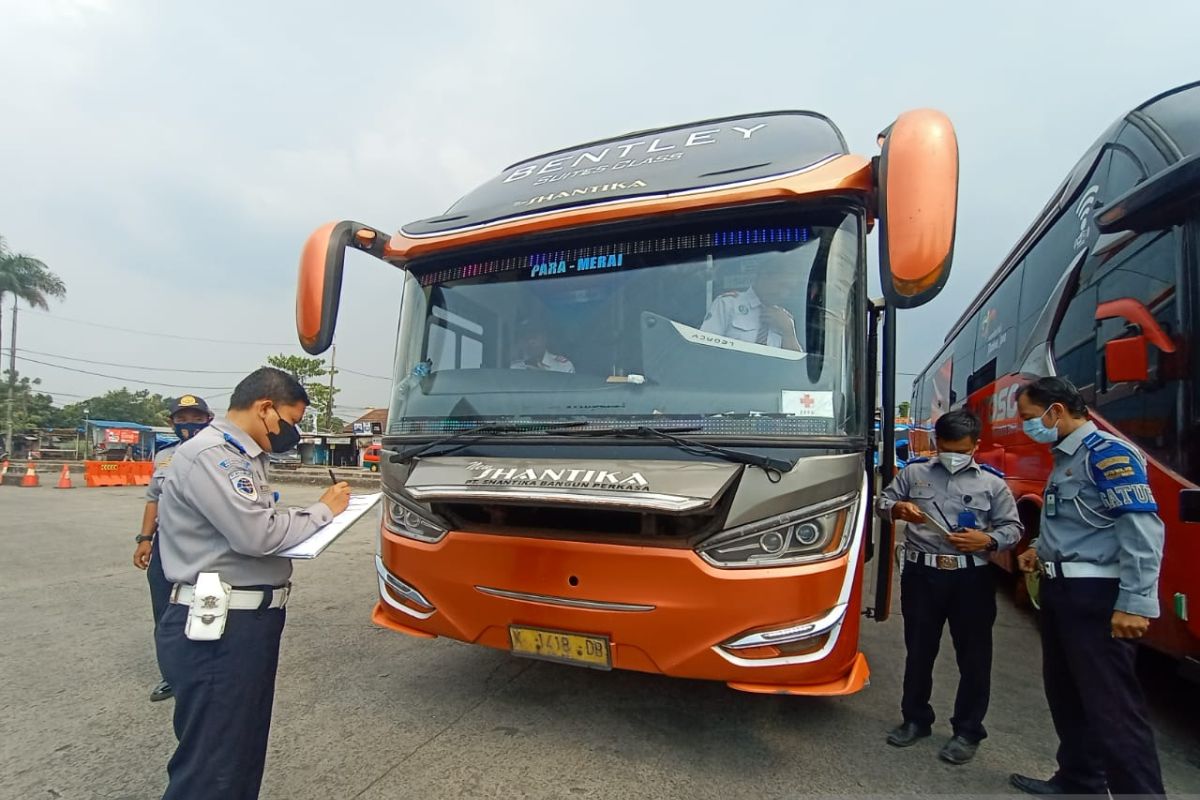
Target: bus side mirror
[319, 291]
[917, 182]
[1127, 360]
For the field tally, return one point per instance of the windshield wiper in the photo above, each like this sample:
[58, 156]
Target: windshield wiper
[462, 437]
[774, 467]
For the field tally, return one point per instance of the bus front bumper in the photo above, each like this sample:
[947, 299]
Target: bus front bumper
[785, 630]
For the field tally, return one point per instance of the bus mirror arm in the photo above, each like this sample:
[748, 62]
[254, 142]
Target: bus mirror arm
[319, 291]
[1126, 359]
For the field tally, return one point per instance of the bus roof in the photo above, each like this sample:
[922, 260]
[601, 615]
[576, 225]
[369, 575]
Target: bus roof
[682, 158]
[1177, 130]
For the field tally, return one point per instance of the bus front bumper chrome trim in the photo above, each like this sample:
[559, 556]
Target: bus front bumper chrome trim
[569, 602]
[389, 581]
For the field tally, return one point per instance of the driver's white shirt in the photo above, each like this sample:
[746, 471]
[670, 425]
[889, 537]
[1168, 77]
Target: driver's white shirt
[550, 361]
[738, 315]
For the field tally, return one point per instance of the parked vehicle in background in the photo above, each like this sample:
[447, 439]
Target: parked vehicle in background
[288, 460]
[371, 457]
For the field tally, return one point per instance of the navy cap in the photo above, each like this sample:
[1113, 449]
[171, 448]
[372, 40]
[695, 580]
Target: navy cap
[189, 401]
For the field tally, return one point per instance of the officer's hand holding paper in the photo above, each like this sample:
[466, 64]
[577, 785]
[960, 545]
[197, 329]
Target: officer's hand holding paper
[353, 508]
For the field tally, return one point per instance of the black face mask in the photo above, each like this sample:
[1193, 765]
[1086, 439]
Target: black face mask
[287, 438]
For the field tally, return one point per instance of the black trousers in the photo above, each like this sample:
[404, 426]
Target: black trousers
[224, 691]
[966, 598]
[160, 587]
[1095, 699]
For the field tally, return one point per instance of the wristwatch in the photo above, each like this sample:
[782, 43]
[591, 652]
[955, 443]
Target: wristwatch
[992, 545]
[141, 537]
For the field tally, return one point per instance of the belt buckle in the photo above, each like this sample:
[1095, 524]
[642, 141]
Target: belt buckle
[1047, 570]
[947, 562]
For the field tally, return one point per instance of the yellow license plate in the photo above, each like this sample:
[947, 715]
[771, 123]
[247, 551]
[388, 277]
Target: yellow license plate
[569, 648]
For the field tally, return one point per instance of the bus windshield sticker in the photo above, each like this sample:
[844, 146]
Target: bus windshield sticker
[806, 404]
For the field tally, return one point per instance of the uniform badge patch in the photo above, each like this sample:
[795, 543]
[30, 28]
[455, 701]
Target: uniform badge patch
[234, 463]
[243, 484]
[743, 310]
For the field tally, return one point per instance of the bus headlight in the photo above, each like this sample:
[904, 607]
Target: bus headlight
[410, 522]
[815, 533]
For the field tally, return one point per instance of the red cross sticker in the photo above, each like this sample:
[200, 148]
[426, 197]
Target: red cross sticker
[807, 401]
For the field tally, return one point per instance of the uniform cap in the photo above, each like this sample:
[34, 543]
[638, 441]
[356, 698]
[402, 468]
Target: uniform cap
[189, 401]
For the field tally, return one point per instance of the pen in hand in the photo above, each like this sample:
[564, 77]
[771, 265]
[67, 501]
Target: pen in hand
[332, 477]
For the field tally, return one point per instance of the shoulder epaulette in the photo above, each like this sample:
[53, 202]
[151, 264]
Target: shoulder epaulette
[991, 469]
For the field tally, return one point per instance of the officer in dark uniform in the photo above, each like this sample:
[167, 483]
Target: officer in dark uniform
[189, 415]
[219, 526]
[957, 512]
[1099, 551]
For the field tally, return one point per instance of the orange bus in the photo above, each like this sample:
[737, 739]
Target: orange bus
[633, 396]
[1104, 289]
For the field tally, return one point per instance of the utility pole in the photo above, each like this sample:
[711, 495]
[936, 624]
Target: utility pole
[12, 379]
[329, 406]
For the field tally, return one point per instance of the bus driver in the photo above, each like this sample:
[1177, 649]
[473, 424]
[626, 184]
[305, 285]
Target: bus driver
[756, 314]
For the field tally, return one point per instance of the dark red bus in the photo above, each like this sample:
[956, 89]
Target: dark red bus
[1104, 289]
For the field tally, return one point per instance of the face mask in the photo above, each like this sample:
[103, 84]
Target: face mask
[186, 430]
[955, 462]
[287, 438]
[1036, 429]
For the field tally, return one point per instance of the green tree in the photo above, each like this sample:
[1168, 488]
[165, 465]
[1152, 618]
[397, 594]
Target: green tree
[310, 372]
[120, 405]
[903, 409]
[25, 278]
[32, 409]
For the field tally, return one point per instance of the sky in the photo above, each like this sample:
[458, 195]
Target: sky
[169, 160]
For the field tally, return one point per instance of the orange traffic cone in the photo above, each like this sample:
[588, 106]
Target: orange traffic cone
[31, 478]
[64, 478]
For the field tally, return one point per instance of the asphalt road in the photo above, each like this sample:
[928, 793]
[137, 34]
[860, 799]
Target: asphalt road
[366, 713]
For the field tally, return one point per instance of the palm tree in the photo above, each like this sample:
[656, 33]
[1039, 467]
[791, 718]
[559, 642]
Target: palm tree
[29, 279]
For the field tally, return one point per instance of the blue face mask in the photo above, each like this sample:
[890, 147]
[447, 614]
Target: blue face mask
[186, 430]
[1036, 429]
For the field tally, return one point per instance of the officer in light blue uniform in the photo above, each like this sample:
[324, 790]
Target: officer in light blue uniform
[958, 511]
[1099, 552]
[189, 415]
[217, 514]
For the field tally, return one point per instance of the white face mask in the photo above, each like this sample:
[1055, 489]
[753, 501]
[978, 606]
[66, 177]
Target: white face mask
[955, 462]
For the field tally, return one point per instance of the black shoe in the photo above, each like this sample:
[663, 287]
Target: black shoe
[906, 734]
[1034, 786]
[958, 750]
[162, 692]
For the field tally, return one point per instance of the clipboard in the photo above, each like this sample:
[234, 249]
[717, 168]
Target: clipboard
[936, 524]
[324, 536]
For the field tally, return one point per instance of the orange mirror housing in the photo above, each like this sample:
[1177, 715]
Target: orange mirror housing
[917, 182]
[319, 291]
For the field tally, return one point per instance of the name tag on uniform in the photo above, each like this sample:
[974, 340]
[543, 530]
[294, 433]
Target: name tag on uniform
[1052, 501]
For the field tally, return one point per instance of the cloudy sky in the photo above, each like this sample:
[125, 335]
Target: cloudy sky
[168, 160]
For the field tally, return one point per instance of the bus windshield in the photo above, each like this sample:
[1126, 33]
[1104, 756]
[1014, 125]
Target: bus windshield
[746, 326]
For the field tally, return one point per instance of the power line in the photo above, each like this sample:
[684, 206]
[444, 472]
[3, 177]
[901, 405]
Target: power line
[173, 369]
[134, 366]
[128, 380]
[364, 374]
[157, 334]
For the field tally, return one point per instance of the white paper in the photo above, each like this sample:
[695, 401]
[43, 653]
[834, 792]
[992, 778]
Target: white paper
[806, 404]
[313, 546]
